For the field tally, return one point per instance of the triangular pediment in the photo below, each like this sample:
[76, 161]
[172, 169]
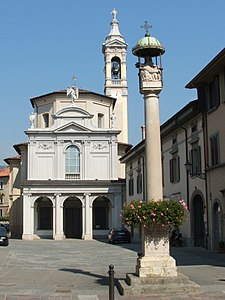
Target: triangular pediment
[115, 43]
[72, 127]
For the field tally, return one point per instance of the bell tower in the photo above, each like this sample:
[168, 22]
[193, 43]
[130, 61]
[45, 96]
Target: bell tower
[115, 50]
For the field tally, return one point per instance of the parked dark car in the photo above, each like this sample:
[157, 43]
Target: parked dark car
[4, 239]
[119, 235]
[6, 225]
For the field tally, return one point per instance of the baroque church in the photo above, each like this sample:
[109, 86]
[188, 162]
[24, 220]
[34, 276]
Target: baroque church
[72, 184]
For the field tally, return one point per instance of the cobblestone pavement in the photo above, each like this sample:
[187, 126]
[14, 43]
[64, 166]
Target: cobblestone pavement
[78, 270]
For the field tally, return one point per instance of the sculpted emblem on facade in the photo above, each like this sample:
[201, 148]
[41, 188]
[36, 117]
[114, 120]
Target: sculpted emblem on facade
[45, 146]
[99, 146]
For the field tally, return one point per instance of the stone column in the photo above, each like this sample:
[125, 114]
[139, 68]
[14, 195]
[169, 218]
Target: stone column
[28, 218]
[58, 233]
[88, 232]
[155, 260]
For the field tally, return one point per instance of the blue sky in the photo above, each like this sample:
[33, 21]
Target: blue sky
[44, 43]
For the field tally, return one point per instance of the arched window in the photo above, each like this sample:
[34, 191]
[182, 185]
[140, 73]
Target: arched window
[72, 163]
[115, 68]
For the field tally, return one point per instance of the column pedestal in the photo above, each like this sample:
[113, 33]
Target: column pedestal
[155, 259]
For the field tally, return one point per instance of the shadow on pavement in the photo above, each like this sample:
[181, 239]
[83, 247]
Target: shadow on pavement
[187, 256]
[100, 279]
[133, 246]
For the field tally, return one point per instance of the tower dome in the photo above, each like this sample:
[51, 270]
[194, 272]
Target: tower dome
[148, 45]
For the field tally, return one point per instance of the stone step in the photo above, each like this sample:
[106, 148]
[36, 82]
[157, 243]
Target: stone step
[134, 285]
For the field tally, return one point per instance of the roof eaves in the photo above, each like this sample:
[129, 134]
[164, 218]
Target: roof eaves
[196, 81]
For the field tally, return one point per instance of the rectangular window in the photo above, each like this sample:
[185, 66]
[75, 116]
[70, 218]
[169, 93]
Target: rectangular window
[213, 93]
[1, 185]
[46, 120]
[100, 120]
[1, 214]
[175, 169]
[196, 160]
[214, 147]
[139, 183]
[131, 186]
[194, 127]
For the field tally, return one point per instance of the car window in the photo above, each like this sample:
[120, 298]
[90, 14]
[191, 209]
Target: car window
[3, 230]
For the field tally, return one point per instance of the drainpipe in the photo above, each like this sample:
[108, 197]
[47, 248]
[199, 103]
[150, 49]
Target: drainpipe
[186, 157]
[206, 147]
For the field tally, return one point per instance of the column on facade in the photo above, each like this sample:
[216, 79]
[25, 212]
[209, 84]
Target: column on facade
[87, 228]
[86, 159]
[115, 211]
[58, 233]
[28, 218]
[113, 159]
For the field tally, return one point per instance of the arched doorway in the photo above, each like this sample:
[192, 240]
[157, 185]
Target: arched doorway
[216, 225]
[43, 218]
[198, 227]
[101, 216]
[72, 218]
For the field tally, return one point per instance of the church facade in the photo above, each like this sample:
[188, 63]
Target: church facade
[72, 183]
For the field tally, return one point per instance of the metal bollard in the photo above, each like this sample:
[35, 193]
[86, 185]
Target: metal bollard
[111, 282]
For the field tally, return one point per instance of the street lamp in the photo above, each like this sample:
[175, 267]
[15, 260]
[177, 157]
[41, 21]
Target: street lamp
[188, 167]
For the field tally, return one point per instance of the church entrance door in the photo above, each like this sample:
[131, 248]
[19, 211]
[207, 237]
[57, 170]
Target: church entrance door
[73, 218]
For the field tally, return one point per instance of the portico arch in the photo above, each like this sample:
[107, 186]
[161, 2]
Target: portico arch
[72, 218]
[102, 216]
[43, 217]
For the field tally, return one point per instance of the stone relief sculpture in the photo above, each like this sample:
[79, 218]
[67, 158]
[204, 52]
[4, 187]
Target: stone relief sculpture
[150, 73]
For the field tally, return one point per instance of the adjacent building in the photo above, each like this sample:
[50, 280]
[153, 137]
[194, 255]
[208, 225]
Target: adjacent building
[210, 85]
[4, 192]
[193, 160]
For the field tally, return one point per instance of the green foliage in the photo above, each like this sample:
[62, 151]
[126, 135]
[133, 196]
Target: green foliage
[164, 212]
[5, 218]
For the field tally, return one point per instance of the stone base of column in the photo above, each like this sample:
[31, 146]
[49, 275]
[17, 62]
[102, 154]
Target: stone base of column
[156, 271]
[28, 237]
[156, 265]
[87, 237]
[157, 286]
[155, 259]
[59, 237]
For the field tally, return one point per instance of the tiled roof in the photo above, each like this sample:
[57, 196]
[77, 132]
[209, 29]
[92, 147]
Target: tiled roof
[4, 172]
